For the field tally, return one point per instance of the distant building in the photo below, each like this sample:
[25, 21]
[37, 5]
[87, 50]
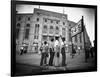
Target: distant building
[40, 26]
[32, 29]
[78, 40]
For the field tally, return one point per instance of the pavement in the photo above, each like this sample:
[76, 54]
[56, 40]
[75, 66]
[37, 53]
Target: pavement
[29, 63]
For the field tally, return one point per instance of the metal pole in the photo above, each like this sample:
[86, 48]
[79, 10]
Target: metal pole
[83, 30]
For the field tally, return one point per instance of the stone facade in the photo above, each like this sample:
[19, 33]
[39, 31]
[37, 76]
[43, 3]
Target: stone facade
[32, 29]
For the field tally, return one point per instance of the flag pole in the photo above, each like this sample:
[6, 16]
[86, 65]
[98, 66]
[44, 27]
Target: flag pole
[83, 30]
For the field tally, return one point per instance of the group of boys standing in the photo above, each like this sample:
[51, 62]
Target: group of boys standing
[53, 50]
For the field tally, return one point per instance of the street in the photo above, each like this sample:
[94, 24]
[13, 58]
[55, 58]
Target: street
[30, 64]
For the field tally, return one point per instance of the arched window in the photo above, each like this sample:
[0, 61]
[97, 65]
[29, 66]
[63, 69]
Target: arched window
[36, 33]
[27, 31]
[18, 25]
[28, 25]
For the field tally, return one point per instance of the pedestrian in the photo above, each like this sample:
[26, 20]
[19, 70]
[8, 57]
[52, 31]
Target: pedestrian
[79, 50]
[22, 50]
[73, 51]
[91, 52]
[63, 53]
[51, 49]
[57, 52]
[44, 54]
[86, 53]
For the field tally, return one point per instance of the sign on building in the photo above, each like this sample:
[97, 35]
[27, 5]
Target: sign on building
[76, 29]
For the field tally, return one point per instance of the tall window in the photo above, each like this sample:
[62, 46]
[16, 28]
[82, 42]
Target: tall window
[51, 29]
[17, 30]
[27, 31]
[45, 29]
[63, 31]
[36, 33]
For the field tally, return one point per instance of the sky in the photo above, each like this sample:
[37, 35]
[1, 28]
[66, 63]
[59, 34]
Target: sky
[74, 14]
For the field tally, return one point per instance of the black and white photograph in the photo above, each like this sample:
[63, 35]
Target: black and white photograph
[53, 38]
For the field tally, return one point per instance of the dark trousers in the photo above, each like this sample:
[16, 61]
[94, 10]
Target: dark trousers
[22, 51]
[51, 58]
[86, 55]
[91, 52]
[43, 59]
[63, 57]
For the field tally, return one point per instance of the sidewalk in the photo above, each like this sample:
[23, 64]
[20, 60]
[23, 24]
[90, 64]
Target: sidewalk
[31, 63]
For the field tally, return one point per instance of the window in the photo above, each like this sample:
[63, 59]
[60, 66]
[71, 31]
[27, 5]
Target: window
[44, 37]
[35, 37]
[37, 19]
[51, 27]
[19, 18]
[26, 33]
[63, 23]
[51, 21]
[28, 25]
[36, 28]
[18, 25]
[36, 31]
[45, 27]
[45, 20]
[57, 28]
[63, 31]
[28, 18]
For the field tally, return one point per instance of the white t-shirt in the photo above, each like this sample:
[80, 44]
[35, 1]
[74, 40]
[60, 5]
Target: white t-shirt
[56, 43]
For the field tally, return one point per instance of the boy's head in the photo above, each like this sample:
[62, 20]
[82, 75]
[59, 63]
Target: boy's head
[52, 40]
[45, 42]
